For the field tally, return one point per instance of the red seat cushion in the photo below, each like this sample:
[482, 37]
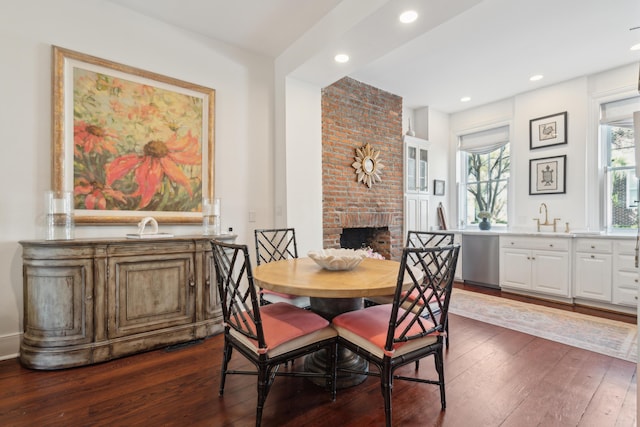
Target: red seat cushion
[282, 322]
[372, 324]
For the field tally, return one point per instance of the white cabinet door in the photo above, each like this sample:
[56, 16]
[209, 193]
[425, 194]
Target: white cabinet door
[515, 268]
[550, 272]
[416, 216]
[593, 276]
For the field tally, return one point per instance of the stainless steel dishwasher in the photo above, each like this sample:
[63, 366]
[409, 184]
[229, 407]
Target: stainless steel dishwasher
[481, 259]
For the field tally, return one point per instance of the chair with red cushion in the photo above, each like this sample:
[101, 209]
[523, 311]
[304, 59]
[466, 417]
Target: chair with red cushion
[420, 239]
[274, 245]
[390, 336]
[270, 335]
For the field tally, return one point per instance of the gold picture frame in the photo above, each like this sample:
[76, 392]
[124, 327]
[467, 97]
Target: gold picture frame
[130, 143]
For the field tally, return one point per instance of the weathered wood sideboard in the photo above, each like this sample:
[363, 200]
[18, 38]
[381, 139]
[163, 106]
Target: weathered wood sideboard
[89, 301]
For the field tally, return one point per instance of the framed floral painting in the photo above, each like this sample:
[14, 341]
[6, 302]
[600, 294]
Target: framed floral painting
[130, 143]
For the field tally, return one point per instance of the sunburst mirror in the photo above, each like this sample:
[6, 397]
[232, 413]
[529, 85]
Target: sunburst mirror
[368, 165]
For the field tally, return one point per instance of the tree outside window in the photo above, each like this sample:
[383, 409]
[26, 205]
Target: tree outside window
[622, 184]
[486, 183]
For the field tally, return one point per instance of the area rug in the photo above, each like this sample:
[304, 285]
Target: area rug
[610, 337]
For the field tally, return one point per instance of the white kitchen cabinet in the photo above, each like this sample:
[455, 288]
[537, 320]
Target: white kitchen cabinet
[416, 165]
[416, 213]
[625, 274]
[593, 268]
[416, 184]
[536, 264]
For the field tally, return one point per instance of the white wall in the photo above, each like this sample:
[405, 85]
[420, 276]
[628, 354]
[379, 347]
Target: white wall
[244, 119]
[580, 205]
[304, 163]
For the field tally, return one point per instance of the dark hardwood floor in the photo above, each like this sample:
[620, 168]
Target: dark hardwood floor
[495, 377]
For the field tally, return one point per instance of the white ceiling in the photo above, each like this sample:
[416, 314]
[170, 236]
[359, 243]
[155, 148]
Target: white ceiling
[485, 49]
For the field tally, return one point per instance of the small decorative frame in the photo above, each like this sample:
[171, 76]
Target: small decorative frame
[438, 187]
[548, 175]
[130, 143]
[548, 131]
[368, 165]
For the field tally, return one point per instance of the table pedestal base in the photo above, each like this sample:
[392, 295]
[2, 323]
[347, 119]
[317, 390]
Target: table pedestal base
[317, 362]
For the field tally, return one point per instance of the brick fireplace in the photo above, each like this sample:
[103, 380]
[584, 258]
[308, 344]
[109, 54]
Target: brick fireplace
[354, 114]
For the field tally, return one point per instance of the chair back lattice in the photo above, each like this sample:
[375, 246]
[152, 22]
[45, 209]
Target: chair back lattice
[240, 308]
[428, 239]
[426, 301]
[275, 244]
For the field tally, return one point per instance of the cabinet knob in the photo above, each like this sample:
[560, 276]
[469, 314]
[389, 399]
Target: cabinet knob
[192, 283]
[550, 245]
[592, 257]
[593, 247]
[533, 258]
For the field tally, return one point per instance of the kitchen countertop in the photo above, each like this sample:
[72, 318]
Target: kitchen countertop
[533, 233]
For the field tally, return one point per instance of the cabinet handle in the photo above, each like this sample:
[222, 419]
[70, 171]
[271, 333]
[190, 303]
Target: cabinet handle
[592, 257]
[533, 258]
[512, 243]
[551, 245]
[593, 247]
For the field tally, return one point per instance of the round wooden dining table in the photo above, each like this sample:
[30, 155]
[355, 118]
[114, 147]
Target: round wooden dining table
[331, 293]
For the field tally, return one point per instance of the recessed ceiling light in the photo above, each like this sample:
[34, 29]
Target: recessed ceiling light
[635, 47]
[465, 99]
[408, 17]
[536, 77]
[341, 58]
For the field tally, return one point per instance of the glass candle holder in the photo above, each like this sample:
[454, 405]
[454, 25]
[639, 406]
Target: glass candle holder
[59, 224]
[211, 217]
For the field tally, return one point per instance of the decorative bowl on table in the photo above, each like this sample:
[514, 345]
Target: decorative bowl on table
[338, 259]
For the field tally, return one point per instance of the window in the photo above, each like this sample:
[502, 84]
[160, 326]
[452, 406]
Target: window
[620, 183]
[485, 163]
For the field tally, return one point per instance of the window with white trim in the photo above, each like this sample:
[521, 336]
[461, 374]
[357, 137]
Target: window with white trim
[485, 163]
[620, 193]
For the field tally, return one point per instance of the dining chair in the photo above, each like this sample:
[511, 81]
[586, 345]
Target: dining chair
[419, 239]
[274, 245]
[390, 336]
[270, 335]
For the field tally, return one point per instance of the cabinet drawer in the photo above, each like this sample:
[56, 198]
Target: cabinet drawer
[625, 288]
[625, 247]
[594, 245]
[626, 262]
[547, 243]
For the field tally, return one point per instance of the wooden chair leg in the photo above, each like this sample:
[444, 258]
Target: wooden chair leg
[226, 356]
[386, 377]
[439, 361]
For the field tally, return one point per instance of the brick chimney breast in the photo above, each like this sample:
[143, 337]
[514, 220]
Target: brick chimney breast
[354, 114]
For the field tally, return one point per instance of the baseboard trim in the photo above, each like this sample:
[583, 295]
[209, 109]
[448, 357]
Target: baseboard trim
[10, 346]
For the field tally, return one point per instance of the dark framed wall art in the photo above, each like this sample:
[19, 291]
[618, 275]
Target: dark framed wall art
[548, 175]
[548, 131]
[438, 187]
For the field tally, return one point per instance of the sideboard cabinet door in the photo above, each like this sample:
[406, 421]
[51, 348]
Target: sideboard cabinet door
[58, 302]
[147, 293]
